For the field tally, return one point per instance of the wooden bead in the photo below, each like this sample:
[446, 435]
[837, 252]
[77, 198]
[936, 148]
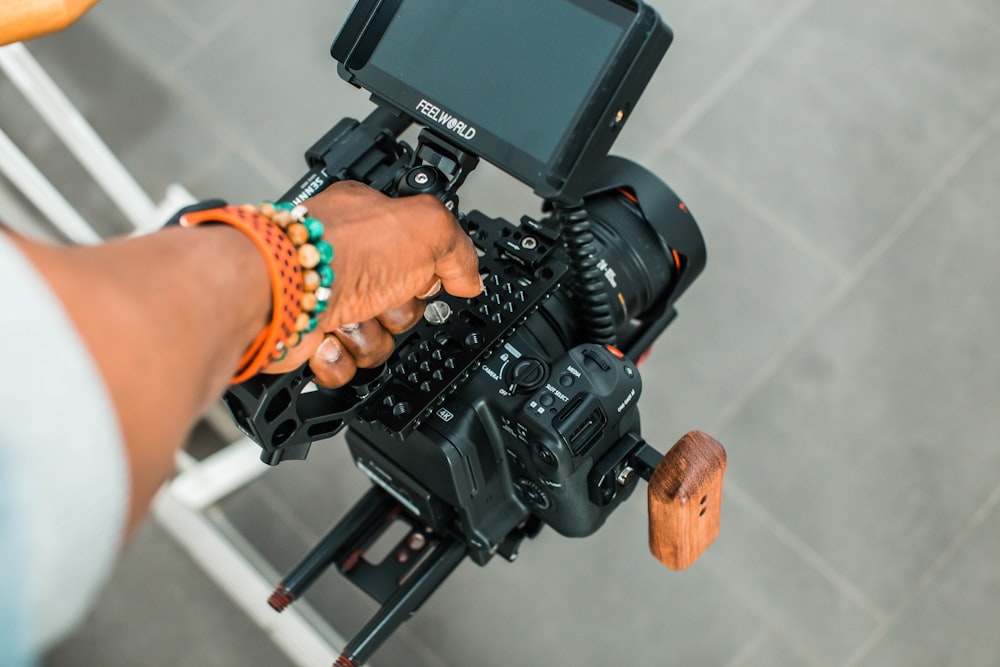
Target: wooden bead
[302, 322]
[311, 281]
[294, 339]
[267, 209]
[308, 256]
[309, 301]
[282, 218]
[297, 233]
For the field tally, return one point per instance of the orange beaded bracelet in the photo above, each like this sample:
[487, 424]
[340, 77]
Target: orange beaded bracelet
[284, 270]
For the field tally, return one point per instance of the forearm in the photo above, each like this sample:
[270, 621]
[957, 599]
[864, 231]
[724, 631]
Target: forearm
[166, 318]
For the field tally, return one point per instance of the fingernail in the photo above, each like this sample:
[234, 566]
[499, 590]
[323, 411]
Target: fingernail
[350, 328]
[329, 351]
[482, 284]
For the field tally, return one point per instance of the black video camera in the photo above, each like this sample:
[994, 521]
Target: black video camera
[499, 414]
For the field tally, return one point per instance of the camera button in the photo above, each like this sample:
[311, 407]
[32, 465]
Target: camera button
[615, 351]
[546, 399]
[566, 380]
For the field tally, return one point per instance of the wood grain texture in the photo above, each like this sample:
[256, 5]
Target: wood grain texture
[24, 19]
[685, 500]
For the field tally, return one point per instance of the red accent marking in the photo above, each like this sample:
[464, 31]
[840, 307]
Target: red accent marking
[280, 599]
[644, 356]
[344, 661]
[684, 207]
[615, 351]
[351, 561]
[628, 195]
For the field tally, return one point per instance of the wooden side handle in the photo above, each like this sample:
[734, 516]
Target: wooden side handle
[24, 19]
[685, 498]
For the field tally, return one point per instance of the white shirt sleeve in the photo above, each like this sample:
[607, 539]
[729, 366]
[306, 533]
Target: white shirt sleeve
[65, 495]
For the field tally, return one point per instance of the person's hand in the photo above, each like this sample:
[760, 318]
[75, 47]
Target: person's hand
[388, 253]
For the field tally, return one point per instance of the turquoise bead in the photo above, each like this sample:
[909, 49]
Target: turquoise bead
[320, 307]
[315, 228]
[313, 323]
[325, 252]
[284, 206]
[325, 275]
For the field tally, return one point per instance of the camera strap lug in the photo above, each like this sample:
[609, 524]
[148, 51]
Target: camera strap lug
[528, 530]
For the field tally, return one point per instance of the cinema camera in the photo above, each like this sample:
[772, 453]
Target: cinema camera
[516, 409]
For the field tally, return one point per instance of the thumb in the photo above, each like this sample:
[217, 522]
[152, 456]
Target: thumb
[458, 269]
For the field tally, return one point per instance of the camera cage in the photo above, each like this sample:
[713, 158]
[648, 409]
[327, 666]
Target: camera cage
[581, 135]
[397, 448]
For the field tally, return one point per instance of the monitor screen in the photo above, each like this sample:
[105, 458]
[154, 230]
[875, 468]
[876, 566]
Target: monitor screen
[516, 71]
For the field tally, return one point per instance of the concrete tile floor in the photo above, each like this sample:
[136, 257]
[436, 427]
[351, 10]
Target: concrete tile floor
[842, 159]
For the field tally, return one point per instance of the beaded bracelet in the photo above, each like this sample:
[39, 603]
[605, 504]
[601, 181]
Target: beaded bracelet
[314, 255]
[298, 262]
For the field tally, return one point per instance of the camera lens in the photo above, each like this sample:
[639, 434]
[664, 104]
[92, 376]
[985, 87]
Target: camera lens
[638, 266]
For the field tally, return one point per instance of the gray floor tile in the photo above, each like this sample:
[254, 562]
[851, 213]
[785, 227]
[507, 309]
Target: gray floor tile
[824, 620]
[769, 650]
[709, 36]
[175, 617]
[159, 137]
[201, 17]
[857, 443]
[148, 30]
[850, 113]
[280, 105]
[230, 175]
[756, 289]
[948, 622]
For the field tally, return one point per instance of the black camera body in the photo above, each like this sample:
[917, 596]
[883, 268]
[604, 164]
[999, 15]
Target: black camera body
[518, 408]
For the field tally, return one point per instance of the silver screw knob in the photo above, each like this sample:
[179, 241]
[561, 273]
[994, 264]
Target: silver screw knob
[437, 312]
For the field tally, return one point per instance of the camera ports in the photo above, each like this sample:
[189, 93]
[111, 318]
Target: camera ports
[580, 422]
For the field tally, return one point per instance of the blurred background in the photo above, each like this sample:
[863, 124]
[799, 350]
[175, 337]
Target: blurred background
[843, 160]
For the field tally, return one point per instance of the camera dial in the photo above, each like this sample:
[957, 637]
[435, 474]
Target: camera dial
[525, 376]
